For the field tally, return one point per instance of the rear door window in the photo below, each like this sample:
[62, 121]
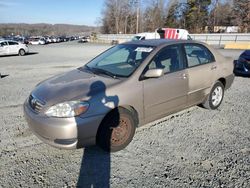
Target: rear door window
[12, 43]
[197, 55]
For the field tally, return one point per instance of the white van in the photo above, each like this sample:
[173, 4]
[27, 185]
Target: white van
[164, 33]
[144, 36]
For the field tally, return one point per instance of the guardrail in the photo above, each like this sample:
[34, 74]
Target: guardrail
[222, 39]
[219, 39]
[108, 38]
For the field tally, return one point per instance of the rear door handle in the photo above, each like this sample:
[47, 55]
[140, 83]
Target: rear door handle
[213, 67]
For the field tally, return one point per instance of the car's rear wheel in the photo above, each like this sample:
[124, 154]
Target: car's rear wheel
[215, 97]
[116, 131]
[21, 52]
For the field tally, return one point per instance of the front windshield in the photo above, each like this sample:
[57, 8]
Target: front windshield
[121, 60]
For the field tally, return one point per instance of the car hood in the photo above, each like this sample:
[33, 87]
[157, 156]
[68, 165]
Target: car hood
[73, 85]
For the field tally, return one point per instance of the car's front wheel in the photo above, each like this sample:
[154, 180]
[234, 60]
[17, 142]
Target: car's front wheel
[21, 52]
[215, 97]
[117, 130]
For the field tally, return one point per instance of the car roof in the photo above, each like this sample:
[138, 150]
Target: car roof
[159, 42]
[3, 40]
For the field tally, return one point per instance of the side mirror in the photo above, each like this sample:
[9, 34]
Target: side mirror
[154, 73]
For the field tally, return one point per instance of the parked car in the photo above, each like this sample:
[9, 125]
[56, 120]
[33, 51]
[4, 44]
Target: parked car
[127, 86]
[48, 40]
[83, 40]
[8, 47]
[59, 39]
[37, 41]
[242, 65]
[52, 39]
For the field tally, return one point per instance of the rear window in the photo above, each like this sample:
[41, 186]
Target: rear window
[3, 44]
[136, 38]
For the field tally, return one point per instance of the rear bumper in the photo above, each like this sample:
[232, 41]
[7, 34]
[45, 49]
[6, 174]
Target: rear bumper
[229, 81]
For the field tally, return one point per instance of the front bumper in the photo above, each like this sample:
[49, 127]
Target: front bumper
[65, 133]
[241, 72]
[241, 68]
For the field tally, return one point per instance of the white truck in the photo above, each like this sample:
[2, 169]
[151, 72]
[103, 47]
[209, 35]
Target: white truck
[164, 33]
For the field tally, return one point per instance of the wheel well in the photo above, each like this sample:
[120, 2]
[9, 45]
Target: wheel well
[127, 107]
[133, 111]
[223, 81]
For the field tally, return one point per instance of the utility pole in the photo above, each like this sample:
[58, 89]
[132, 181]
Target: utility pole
[137, 4]
[215, 14]
[137, 15]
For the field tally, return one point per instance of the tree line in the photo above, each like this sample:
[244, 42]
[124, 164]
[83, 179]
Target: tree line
[197, 16]
[44, 29]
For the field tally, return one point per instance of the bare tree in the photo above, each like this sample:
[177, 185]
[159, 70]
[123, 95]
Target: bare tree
[154, 15]
[119, 16]
[220, 14]
[241, 14]
[172, 15]
[122, 16]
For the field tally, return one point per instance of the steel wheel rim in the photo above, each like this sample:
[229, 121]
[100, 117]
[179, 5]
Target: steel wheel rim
[120, 134]
[217, 96]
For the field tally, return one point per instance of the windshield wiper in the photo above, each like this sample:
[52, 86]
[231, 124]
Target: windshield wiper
[102, 71]
[86, 68]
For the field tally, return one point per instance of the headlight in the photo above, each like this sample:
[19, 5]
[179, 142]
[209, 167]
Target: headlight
[68, 109]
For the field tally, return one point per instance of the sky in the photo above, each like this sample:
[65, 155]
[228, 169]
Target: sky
[80, 12]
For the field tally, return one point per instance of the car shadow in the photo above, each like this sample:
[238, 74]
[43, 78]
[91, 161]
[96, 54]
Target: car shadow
[28, 54]
[95, 164]
[31, 53]
[3, 75]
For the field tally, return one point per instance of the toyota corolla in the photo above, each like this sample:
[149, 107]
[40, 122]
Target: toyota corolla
[127, 86]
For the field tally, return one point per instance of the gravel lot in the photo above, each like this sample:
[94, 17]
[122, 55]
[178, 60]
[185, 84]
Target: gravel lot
[193, 148]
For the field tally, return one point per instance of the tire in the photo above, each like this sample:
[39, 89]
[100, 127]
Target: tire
[21, 52]
[116, 131]
[215, 97]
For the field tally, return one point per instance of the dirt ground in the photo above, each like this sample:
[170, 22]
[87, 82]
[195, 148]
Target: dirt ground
[193, 148]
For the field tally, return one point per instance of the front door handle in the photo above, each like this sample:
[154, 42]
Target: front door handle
[184, 76]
